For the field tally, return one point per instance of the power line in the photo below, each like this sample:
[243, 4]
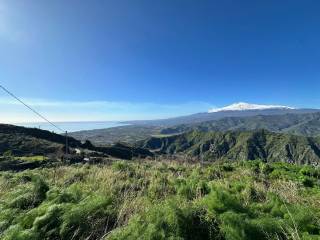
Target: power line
[30, 108]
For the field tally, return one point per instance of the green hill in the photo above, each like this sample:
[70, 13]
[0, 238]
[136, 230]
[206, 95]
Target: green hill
[23, 141]
[236, 145]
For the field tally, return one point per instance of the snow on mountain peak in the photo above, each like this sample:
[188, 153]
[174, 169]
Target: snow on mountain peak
[247, 106]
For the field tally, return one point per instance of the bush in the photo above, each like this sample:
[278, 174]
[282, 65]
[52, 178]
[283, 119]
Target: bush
[15, 232]
[73, 194]
[169, 221]
[121, 166]
[227, 167]
[40, 189]
[220, 200]
[31, 197]
[47, 225]
[306, 181]
[91, 217]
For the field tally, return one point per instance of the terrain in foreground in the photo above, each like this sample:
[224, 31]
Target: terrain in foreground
[162, 200]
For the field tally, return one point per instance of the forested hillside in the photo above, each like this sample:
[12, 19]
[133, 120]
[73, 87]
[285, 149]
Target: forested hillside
[239, 145]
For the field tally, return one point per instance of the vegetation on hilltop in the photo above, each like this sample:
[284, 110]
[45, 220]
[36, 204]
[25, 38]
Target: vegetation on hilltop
[21, 141]
[236, 146]
[162, 200]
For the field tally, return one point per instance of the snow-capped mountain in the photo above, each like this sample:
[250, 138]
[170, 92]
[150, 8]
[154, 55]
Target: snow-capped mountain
[241, 106]
[240, 109]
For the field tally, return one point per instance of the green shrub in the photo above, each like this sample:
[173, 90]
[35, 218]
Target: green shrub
[24, 201]
[305, 219]
[220, 200]
[306, 181]
[39, 190]
[72, 194]
[233, 225]
[160, 187]
[310, 171]
[169, 220]
[121, 166]
[32, 197]
[91, 217]
[47, 225]
[266, 168]
[227, 167]
[15, 232]
[6, 217]
[26, 220]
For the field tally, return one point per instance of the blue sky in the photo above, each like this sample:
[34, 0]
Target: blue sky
[124, 59]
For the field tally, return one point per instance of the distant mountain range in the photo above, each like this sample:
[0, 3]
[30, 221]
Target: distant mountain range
[234, 110]
[239, 116]
[239, 145]
[307, 124]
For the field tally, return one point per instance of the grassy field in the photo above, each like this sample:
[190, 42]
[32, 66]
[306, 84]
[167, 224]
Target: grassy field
[162, 200]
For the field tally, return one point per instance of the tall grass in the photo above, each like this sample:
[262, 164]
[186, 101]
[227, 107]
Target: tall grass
[162, 200]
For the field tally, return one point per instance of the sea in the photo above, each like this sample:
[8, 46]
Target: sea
[71, 126]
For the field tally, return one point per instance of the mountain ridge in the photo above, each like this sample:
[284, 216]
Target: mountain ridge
[299, 124]
[208, 116]
[306, 124]
[239, 145]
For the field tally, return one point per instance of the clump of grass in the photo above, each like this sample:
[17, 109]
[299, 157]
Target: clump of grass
[172, 219]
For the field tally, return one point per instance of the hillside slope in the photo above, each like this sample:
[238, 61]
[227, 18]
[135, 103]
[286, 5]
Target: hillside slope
[22, 140]
[32, 141]
[244, 145]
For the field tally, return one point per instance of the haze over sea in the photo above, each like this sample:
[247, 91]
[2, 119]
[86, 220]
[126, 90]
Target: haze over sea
[72, 126]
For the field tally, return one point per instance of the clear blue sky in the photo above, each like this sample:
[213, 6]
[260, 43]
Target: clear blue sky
[125, 59]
